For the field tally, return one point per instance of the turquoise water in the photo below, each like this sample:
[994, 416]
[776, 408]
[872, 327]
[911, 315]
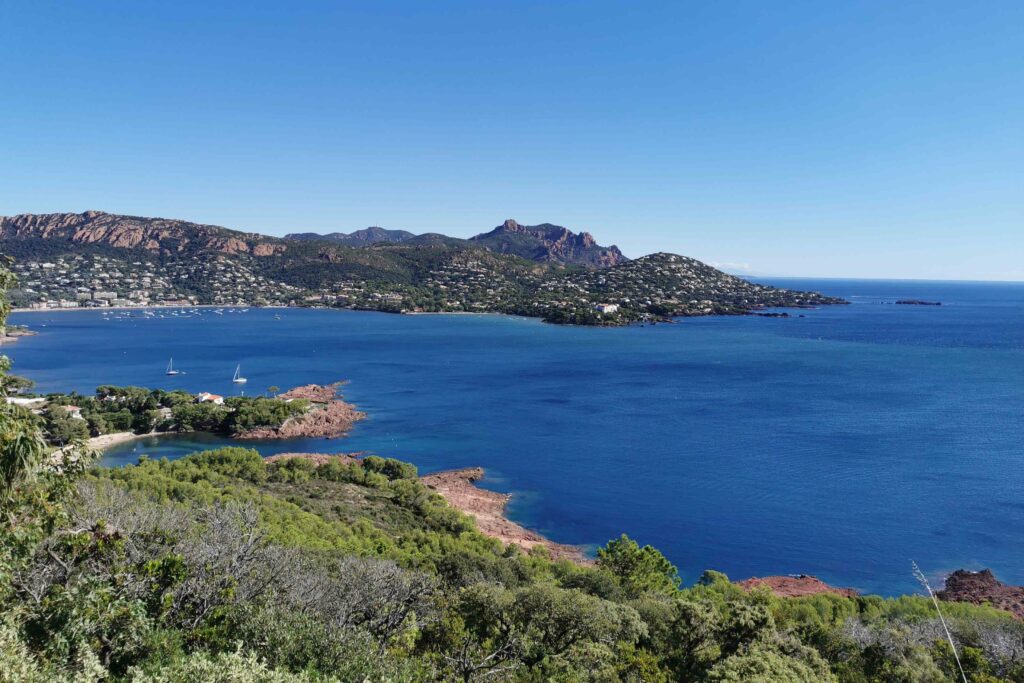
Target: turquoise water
[841, 444]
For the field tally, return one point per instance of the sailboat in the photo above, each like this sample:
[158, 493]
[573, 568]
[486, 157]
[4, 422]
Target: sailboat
[170, 368]
[238, 379]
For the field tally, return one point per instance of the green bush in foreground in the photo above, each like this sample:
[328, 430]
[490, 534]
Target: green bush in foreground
[221, 567]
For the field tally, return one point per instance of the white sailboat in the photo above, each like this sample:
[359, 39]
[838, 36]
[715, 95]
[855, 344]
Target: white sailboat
[238, 379]
[170, 368]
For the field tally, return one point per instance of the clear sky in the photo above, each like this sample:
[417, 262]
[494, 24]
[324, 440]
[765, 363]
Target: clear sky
[864, 139]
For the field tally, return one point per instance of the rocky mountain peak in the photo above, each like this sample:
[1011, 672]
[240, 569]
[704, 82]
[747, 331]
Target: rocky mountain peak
[159, 235]
[549, 243]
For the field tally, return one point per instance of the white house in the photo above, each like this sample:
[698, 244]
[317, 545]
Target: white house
[207, 397]
[606, 308]
[25, 402]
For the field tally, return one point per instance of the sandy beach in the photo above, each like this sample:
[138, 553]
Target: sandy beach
[100, 443]
[105, 441]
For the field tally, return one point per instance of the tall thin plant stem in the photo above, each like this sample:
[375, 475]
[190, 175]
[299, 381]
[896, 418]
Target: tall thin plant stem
[919, 575]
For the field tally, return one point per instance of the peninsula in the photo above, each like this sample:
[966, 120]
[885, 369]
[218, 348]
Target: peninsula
[118, 414]
[13, 333]
[99, 260]
[459, 488]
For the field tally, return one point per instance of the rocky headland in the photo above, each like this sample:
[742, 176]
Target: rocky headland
[328, 415]
[798, 585]
[459, 488]
[982, 588]
[96, 259]
[13, 334]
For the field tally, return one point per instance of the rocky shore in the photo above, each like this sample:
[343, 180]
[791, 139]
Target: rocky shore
[459, 488]
[13, 334]
[983, 587]
[328, 416]
[795, 586]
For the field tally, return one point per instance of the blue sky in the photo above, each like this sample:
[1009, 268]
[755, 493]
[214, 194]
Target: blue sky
[804, 138]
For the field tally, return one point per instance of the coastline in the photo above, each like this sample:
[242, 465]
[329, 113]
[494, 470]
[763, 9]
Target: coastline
[329, 415]
[156, 307]
[105, 441]
[101, 443]
[796, 565]
[459, 488]
[9, 337]
[669, 319]
[488, 509]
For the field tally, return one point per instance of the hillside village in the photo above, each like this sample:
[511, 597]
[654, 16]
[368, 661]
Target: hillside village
[88, 281]
[97, 260]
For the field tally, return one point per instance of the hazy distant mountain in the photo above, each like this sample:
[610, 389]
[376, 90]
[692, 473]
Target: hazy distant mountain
[549, 243]
[359, 238]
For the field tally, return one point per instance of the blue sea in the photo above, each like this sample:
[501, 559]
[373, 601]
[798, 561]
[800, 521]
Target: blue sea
[842, 442]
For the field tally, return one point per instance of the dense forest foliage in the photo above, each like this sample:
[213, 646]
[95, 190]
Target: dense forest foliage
[136, 409]
[223, 567]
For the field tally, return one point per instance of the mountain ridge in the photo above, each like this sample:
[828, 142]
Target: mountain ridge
[549, 242]
[95, 259]
[163, 235]
[366, 236]
[545, 242]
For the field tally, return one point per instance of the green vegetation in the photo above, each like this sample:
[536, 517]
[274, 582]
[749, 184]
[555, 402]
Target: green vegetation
[422, 274]
[121, 409]
[223, 567]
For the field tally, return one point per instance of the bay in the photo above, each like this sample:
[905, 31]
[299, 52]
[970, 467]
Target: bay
[842, 443]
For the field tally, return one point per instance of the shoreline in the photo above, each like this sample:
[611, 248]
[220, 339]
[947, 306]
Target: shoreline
[640, 322]
[488, 509]
[459, 488]
[105, 441]
[153, 307]
[100, 444]
[9, 336]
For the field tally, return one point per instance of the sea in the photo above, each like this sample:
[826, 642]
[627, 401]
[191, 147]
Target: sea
[842, 442]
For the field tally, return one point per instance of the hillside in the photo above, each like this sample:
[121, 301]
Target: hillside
[222, 566]
[549, 243]
[545, 243]
[96, 259]
[359, 238]
[154, 235]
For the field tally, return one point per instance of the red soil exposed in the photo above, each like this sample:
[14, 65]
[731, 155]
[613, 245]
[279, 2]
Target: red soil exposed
[981, 588]
[328, 416]
[317, 393]
[795, 586]
[316, 458]
[488, 509]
